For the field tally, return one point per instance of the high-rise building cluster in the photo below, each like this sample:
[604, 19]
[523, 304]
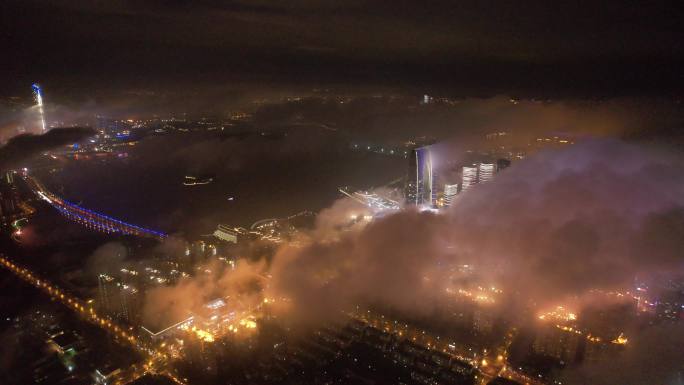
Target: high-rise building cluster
[426, 186]
[476, 173]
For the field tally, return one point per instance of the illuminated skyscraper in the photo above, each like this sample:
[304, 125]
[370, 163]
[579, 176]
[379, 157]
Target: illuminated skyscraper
[420, 189]
[130, 302]
[485, 172]
[468, 177]
[450, 192]
[425, 181]
[108, 289]
[410, 188]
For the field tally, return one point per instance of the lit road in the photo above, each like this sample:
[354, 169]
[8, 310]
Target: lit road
[121, 334]
[87, 312]
[89, 218]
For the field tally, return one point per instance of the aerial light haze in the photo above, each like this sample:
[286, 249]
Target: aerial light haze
[265, 192]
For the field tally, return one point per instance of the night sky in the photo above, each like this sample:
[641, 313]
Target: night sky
[531, 48]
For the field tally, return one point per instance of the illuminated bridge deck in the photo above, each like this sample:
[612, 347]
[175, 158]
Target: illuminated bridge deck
[89, 218]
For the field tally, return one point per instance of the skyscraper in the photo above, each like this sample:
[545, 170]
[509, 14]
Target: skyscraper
[450, 192]
[485, 172]
[420, 189]
[468, 177]
[130, 303]
[108, 289]
[118, 299]
[476, 173]
[411, 177]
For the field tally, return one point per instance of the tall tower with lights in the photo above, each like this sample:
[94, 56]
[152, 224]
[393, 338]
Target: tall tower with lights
[38, 97]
